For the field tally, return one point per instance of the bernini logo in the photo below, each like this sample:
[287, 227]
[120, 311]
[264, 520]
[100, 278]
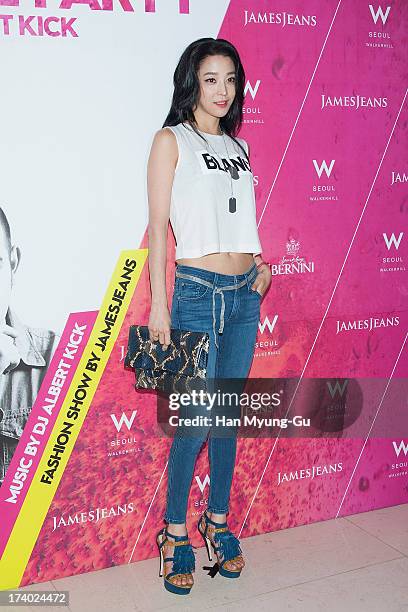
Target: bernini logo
[292, 262]
[280, 19]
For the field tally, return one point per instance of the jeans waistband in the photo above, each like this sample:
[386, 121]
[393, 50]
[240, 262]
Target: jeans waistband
[216, 279]
[218, 283]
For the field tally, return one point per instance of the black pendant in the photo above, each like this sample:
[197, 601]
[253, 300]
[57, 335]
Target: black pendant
[233, 172]
[232, 205]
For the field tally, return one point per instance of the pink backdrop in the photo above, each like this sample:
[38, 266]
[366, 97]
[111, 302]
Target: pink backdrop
[325, 96]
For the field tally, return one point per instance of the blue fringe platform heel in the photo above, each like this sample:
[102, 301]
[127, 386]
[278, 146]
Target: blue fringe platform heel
[183, 560]
[225, 544]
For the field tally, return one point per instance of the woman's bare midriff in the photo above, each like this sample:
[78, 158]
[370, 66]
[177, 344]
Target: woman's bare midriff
[222, 263]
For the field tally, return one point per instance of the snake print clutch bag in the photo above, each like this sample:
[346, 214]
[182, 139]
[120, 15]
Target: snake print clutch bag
[181, 368]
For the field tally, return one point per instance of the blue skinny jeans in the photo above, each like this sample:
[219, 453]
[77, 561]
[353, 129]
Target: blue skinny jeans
[225, 306]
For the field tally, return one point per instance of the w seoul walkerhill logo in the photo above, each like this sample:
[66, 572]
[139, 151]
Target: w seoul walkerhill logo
[324, 189]
[392, 260]
[251, 110]
[203, 485]
[55, 26]
[267, 345]
[400, 467]
[378, 37]
[125, 441]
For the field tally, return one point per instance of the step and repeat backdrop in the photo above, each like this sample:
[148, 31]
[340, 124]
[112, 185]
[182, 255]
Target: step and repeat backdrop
[86, 84]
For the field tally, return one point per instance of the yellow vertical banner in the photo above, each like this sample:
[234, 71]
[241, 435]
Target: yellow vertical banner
[71, 417]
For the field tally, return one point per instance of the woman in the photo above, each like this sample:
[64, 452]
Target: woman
[199, 177]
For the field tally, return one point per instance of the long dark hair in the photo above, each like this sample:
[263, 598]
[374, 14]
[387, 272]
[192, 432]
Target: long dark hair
[187, 86]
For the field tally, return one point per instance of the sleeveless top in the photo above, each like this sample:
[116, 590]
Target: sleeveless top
[199, 211]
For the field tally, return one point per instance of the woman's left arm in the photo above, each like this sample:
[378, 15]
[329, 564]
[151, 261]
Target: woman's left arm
[264, 273]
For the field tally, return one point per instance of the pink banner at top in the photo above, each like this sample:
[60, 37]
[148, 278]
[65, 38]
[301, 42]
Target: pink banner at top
[42, 418]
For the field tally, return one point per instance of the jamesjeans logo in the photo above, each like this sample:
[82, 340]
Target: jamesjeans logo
[399, 177]
[281, 18]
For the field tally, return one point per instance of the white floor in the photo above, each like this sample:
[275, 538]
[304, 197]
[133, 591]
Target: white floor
[353, 564]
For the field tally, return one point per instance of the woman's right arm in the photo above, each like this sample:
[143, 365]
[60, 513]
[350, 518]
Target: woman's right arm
[160, 174]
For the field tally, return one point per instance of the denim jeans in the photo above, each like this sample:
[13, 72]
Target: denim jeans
[225, 306]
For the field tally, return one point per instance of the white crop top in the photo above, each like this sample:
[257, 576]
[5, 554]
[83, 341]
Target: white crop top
[199, 212]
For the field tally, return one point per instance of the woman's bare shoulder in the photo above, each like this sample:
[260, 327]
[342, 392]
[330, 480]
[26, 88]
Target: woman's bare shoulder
[165, 145]
[165, 134]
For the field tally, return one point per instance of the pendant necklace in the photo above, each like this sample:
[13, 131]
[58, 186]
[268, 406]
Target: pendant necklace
[233, 173]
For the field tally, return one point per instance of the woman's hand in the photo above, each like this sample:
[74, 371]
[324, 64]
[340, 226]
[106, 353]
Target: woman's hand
[159, 325]
[262, 280]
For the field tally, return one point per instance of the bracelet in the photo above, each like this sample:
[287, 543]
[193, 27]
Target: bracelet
[263, 263]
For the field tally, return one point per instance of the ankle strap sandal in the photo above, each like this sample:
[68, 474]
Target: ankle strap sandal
[183, 560]
[225, 544]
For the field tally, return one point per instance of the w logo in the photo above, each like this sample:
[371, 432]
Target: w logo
[123, 420]
[252, 90]
[203, 483]
[268, 324]
[402, 447]
[334, 389]
[323, 166]
[393, 240]
[379, 13]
